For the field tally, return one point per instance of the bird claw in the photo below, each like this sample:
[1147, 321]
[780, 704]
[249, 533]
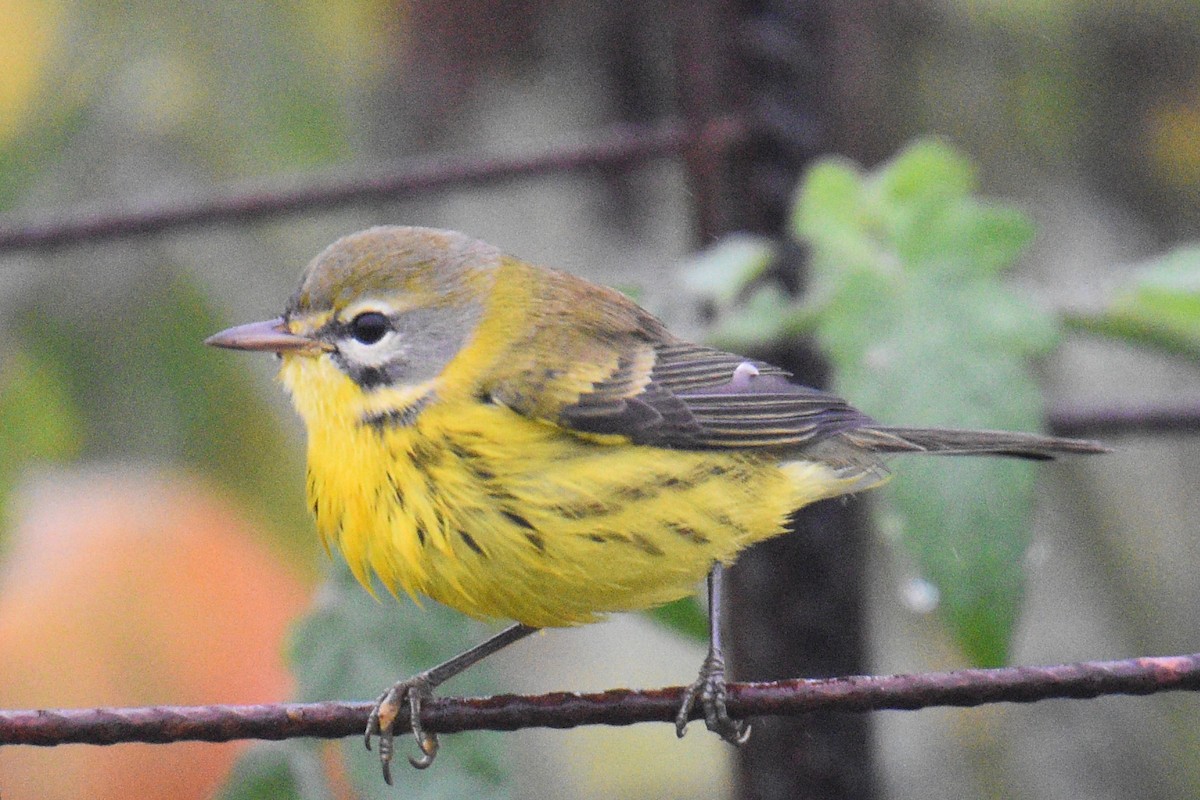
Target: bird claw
[428, 744]
[709, 689]
[382, 722]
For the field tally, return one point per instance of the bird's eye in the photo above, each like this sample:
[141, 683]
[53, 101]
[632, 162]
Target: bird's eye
[370, 326]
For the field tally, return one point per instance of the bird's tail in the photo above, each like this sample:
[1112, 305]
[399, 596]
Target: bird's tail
[964, 443]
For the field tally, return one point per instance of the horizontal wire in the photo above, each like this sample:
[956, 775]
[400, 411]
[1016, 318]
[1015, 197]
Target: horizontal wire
[1147, 418]
[620, 147]
[963, 688]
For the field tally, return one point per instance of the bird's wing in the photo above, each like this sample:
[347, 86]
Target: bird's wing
[629, 377]
[698, 397]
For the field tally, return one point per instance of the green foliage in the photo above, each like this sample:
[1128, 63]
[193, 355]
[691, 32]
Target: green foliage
[904, 294]
[278, 771]
[745, 310]
[213, 90]
[722, 273]
[38, 419]
[1158, 305]
[355, 646]
[210, 391]
[683, 616]
[909, 306]
[145, 386]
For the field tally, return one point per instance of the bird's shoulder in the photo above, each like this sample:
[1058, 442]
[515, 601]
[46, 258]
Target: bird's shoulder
[592, 361]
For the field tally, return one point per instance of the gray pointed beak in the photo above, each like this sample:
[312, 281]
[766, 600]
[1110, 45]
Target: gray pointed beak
[271, 335]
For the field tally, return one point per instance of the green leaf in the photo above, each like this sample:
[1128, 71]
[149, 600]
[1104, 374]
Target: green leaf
[683, 616]
[911, 312]
[354, 647]
[278, 771]
[992, 236]
[834, 213]
[965, 521]
[830, 206]
[722, 272]
[1008, 322]
[927, 173]
[963, 237]
[970, 543]
[767, 316]
[1158, 306]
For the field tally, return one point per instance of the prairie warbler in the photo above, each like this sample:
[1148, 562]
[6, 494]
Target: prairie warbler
[520, 444]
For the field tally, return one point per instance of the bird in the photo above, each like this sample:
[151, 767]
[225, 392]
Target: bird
[521, 444]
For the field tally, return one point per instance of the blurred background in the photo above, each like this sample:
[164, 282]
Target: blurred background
[155, 546]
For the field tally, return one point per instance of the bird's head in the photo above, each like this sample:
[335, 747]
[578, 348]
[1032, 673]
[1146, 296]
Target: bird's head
[387, 307]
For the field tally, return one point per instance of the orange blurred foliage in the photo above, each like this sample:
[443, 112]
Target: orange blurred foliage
[130, 588]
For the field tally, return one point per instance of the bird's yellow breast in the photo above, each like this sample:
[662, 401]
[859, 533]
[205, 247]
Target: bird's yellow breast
[501, 516]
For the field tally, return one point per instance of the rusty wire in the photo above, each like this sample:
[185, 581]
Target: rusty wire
[962, 688]
[620, 147]
[1141, 419]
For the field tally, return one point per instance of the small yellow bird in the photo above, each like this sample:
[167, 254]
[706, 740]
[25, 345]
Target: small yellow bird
[520, 444]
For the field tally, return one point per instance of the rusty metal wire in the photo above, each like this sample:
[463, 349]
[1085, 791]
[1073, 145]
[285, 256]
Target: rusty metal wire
[621, 147]
[1142, 419]
[963, 688]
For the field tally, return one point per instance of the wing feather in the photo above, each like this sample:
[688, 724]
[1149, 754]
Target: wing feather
[593, 362]
[687, 397]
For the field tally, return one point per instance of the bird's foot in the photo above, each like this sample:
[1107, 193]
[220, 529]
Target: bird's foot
[408, 694]
[709, 689]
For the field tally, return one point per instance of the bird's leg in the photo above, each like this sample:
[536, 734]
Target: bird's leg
[411, 693]
[709, 687]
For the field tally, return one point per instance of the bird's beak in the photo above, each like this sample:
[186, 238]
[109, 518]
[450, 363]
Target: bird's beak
[271, 335]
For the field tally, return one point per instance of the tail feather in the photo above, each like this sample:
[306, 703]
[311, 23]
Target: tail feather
[945, 441]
